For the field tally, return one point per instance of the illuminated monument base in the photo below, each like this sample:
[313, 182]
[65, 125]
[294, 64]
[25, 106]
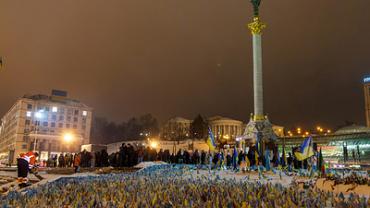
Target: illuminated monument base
[259, 133]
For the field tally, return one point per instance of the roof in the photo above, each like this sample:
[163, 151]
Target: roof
[219, 118]
[353, 129]
[56, 99]
[179, 119]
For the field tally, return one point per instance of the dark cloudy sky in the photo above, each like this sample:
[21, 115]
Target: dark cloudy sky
[184, 57]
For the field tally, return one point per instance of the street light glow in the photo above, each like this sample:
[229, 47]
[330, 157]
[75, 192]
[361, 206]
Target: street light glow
[68, 137]
[39, 114]
[154, 144]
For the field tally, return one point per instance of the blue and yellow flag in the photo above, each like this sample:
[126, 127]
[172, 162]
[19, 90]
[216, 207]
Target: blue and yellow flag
[211, 140]
[306, 150]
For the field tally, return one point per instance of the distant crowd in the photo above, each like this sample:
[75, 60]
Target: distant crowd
[129, 155]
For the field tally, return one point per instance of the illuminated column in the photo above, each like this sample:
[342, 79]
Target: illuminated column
[256, 29]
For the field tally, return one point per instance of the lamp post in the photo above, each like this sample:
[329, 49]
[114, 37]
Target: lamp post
[38, 115]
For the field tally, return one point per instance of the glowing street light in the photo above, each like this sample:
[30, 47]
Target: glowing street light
[68, 137]
[39, 114]
[153, 144]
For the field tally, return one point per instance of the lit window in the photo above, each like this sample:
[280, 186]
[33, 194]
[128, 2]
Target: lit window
[84, 113]
[54, 109]
[29, 113]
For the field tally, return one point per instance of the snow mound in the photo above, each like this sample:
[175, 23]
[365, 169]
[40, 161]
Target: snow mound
[149, 164]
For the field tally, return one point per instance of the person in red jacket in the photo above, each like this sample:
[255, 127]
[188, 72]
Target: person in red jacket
[25, 163]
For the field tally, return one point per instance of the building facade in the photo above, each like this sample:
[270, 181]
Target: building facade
[176, 128]
[367, 99]
[225, 129]
[49, 125]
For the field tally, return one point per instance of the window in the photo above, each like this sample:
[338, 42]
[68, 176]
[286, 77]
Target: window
[69, 111]
[68, 126]
[61, 110]
[27, 122]
[60, 125]
[76, 112]
[61, 118]
[84, 113]
[83, 127]
[25, 139]
[24, 146]
[74, 126]
[68, 118]
[54, 109]
[45, 123]
[54, 117]
[29, 106]
[75, 119]
[47, 109]
[29, 113]
[52, 124]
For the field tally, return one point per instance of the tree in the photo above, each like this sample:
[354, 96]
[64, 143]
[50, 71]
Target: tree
[149, 125]
[98, 129]
[198, 128]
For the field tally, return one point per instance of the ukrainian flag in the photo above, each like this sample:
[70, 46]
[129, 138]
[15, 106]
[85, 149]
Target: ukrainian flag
[306, 150]
[211, 140]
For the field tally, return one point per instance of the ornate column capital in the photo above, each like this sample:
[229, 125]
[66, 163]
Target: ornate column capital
[256, 26]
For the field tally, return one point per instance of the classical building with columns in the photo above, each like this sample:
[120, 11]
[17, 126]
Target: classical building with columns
[225, 129]
[47, 124]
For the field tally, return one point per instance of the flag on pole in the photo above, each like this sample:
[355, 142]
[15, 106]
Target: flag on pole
[321, 164]
[211, 140]
[284, 163]
[256, 157]
[306, 150]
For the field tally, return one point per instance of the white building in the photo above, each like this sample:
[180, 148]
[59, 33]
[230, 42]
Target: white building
[176, 128]
[225, 129]
[47, 124]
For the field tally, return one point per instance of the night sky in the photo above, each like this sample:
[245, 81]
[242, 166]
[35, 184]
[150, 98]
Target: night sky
[170, 58]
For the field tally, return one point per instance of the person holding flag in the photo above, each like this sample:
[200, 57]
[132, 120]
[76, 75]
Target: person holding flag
[212, 146]
[211, 140]
[305, 151]
[235, 159]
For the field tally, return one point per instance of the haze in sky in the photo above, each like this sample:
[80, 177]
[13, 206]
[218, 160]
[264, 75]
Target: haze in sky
[179, 58]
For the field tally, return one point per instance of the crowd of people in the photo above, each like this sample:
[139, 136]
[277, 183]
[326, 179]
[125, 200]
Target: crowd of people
[130, 155]
[166, 186]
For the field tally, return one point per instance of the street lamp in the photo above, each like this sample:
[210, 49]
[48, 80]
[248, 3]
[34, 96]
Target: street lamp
[68, 137]
[38, 115]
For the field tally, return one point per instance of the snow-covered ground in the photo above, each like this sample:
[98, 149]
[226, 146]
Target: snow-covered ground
[192, 172]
